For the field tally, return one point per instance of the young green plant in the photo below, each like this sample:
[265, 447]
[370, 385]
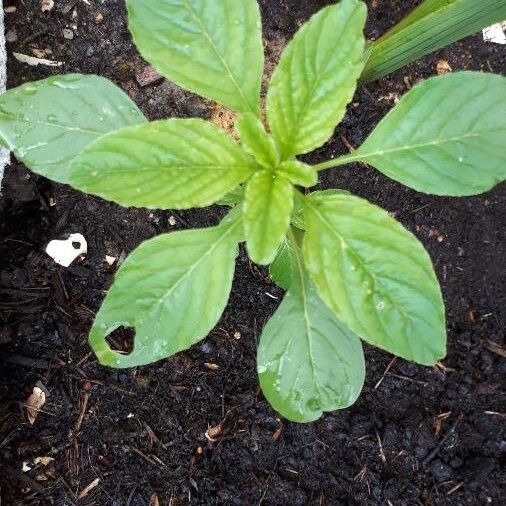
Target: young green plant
[349, 269]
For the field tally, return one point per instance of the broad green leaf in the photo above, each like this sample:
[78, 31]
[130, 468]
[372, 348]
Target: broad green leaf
[375, 275]
[298, 173]
[446, 136]
[316, 78]
[172, 290]
[232, 198]
[256, 141]
[297, 219]
[308, 361]
[47, 123]
[213, 48]
[167, 164]
[268, 203]
[434, 24]
[281, 269]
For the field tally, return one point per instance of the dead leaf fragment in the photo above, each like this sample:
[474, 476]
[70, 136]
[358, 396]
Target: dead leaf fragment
[34, 404]
[46, 460]
[153, 500]
[46, 5]
[225, 119]
[38, 53]
[213, 434]
[443, 67]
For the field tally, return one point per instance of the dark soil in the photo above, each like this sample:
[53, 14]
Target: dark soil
[420, 436]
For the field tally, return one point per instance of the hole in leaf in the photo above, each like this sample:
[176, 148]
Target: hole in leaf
[76, 244]
[122, 339]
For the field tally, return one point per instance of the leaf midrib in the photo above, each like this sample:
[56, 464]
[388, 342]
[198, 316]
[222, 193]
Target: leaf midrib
[56, 125]
[300, 270]
[359, 155]
[218, 54]
[188, 272]
[374, 278]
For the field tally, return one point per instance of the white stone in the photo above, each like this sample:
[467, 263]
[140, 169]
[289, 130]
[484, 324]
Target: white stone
[65, 252]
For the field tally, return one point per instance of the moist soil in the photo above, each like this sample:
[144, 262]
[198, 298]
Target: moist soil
[417, 435]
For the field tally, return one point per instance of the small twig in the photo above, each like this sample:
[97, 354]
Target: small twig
[152, 459]
[381, 453]
[389, 366]
[445, 438]
[495, 413]
[455, 488]
[84, 405]
[420, 382]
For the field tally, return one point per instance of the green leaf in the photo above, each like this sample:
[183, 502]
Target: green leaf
[316, 78]
[308, 361]
[232, 198]
[281, 270]
[47, 123]
[168, 164]
[375, 275]
[256, 141]
[172, 290]
[267, 206]
[434, 24]
[299, 173]
[446, 136]
[213, 48]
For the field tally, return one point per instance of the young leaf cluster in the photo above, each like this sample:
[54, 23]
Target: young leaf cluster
[349, 269]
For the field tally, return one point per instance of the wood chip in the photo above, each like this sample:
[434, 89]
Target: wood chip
[32, 60]
[34, 404]
[147, 75]
[497, 349]
[86, 490]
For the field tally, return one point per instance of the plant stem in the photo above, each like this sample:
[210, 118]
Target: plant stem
[337, 162]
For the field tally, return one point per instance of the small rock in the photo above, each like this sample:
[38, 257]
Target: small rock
[146, 76]
[440, 471]
[10, 9]
[68, 34]
[206, 348]
[11, 35]
[99, 17]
